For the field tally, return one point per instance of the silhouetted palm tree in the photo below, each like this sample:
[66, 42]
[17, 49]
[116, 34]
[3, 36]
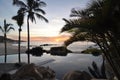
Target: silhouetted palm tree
[31, 8]
[19, 18]
[5, 29]
[79, 30]
[102, 23]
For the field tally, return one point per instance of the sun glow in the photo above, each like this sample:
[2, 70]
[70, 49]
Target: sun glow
[61, 39]
[57, 40]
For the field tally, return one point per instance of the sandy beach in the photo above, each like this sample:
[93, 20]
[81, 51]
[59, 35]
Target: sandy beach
[11, 49]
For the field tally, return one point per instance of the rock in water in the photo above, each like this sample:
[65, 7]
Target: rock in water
[32, 72]
[77, 75]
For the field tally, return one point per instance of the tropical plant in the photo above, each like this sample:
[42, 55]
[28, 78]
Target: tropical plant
[19, 18]
[5, 29]
[31, 8]
[78, 34]
[93, 51]
[101, 22]
[96, 72]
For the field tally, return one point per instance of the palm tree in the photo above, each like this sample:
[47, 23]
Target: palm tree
[78, 34]
[31, 8]
[19, 18]
[102, 23]
[5, 29]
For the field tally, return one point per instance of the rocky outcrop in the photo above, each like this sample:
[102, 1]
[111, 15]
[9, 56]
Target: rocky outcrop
[36, 51]
[77, 75]
[60, 51]
[32, 72]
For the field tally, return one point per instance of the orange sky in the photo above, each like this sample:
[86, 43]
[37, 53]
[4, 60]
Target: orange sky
[38, 31]
[60, 38]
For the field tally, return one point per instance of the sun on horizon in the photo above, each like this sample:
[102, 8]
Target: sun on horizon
[53, 14]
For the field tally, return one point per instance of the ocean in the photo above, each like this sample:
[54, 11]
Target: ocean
[60, 64]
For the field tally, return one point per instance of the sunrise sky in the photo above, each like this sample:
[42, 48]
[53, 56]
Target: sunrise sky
[41, 31]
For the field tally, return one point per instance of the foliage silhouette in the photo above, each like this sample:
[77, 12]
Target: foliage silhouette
[96, 72]
[19, 19]
[100, 21]
[5, 29]
[31, 8]
[93, 51]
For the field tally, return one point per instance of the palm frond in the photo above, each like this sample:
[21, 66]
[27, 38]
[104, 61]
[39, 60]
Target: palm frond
[74, 38]
[1, 29]
[77, 35]
[32, 17]
[67, 26]
[30, 3]
[39, 4]
[82, 24]
[42, 4]
[19, 3]
[75, 13]
[95, 7]
[73, 30]
[103, 69]
[19, 19]
[92, 72]
[95, 67]
[67, 21]
[7, 27]
[14, 2]
[9, 24]
[39, 10]
[96, 4]
[15, 18]
[41, 17]
[22, 11]
[10, 28]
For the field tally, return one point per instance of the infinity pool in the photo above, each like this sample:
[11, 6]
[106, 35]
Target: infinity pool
[60, 64]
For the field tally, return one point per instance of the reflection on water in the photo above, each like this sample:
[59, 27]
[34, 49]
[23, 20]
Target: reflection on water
[61, 64]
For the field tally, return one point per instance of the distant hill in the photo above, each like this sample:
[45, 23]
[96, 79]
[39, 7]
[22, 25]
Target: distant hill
[8, 39]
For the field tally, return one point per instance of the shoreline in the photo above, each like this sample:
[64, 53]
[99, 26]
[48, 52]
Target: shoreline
[11, 49]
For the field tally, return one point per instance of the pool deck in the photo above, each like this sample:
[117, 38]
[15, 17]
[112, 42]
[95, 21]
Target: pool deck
[6, 67]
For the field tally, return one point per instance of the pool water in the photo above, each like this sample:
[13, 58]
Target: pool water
[60, 64]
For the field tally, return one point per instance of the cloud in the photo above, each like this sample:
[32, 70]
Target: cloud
[57, 20]
[45, 29]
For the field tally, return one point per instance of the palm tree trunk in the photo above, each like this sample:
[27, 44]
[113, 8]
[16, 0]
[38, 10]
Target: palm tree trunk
[5, 47]
[28, 40]
[19, 45]
[108, 56]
